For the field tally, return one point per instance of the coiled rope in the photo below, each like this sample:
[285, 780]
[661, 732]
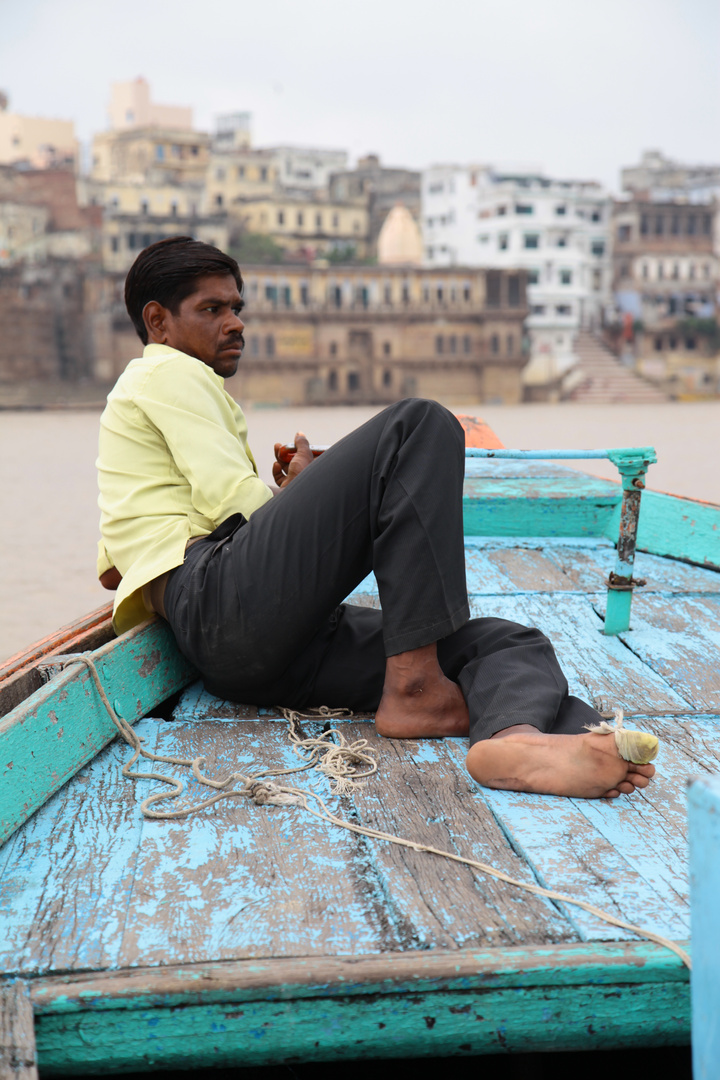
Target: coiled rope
[346, 764]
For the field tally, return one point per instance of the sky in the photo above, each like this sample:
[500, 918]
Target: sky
[577, 87]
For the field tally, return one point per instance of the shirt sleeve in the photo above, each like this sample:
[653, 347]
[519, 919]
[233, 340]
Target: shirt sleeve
[198, 424]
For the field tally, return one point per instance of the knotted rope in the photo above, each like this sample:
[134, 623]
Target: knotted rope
[347, 765]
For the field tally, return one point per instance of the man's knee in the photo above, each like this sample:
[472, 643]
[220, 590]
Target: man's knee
[430, 413]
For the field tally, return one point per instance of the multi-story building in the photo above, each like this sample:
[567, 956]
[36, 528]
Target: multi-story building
[346, 334]
[555, 230]
[307, 224]
[150, 156]
[661, 179]
[665, 274]
[36, 141]
[382, 187]
[304, 168]
[131, 107]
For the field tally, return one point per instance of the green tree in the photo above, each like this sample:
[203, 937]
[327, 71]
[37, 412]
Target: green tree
[255, 248]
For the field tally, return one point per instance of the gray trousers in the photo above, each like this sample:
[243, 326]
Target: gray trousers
[257, 605]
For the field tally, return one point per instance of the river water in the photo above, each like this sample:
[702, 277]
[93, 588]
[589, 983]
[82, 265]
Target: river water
[47, 476]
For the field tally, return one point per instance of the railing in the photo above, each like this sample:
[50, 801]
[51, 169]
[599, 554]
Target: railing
[632, 464]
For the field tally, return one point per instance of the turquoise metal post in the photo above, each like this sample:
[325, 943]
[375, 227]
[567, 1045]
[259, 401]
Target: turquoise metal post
[632, 463]
[704, 835]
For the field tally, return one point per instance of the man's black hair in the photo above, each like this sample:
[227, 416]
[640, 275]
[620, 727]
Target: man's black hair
[168, 271]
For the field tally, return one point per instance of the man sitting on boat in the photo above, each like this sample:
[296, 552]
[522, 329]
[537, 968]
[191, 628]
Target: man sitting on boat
[252, 584]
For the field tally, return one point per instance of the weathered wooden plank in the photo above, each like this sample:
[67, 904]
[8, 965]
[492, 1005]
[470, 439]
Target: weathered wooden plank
[599, 669]
[593, 850]
[18, 1059]
[397, 1025]
[704, 822]
[66, 887]
[424, 793]
[569, 964]
[588, 569]
[539, 507]
[47, 738]
[247, 881]
[679, 638]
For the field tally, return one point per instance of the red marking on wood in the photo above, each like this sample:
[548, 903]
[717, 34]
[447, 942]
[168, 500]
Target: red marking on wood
[480, 434]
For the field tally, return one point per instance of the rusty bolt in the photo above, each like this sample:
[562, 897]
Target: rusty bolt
[638, 483]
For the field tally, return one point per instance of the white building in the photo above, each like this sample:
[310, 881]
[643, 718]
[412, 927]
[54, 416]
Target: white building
[307, 168]
[556, 230]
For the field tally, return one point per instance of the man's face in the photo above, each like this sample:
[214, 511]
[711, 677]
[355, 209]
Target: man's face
[208, 325]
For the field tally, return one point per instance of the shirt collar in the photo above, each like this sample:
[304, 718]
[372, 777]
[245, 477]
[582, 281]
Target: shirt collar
[155, 350]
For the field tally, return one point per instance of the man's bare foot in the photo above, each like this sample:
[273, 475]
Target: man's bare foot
[521, 758]
[418, 701]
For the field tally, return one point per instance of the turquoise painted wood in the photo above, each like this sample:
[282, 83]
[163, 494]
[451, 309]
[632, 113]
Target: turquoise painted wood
[575, 505]
[47, 738]
[704, 823]
[680, 528]
[400, 1025]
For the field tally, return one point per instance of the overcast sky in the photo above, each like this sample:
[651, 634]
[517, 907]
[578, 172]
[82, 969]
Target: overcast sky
[577, 87]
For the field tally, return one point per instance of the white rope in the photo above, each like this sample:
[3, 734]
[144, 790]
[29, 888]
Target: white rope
[340, 761]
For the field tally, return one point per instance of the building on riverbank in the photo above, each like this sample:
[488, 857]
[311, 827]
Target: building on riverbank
[354, 334]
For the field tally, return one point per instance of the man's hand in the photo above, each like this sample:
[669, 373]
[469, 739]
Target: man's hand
[283, 474]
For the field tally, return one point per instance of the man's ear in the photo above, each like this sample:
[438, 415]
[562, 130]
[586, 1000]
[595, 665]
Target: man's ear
[155, 316]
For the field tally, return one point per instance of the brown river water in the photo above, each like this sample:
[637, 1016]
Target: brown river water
[47, 477]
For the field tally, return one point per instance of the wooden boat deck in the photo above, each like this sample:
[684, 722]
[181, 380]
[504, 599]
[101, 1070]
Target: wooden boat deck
[258, 920]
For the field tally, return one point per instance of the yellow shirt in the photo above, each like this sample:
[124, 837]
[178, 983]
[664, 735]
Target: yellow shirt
[173, 463]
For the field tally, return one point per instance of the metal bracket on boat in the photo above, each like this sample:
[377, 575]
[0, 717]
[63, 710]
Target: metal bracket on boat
[632, 463]
[48, 669]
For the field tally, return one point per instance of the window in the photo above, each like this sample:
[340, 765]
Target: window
[439, 344]
[659, 225]
[466, 292]
[675, 272]
[263, 172]
[493, 288]
[532, 240]
[566, 277]
[467, 344]
[562, 241]
[597, 280]
[300, 218]
[706, 224]
[502, 241]
[219, 174]
[533, 276]
[218, 200]
[510, 344]
[176, 150]
[691, 271]
[523, 208]
[690, 225]
[387, 348]
[387, 294]
[501, 210]
[624, 233]
[286, 296]
[335, 221]
[514, 290]
[561, 210]
[658, 344]
[494, 344]
[271, 293]
[675, 225]
[706, 270]
[337, 295]
[537, 309]
[240, 172]
[254, 345]
[132, 241]
[406, 293]
[624, 270]
[304, 295]
[270, 345]
[563, 309]
[114, 243]
[332, 380]
[387, 377]
[690, 343]
[318, 221]
[144, 206]
[160, 153]
[660, 271]
[333, 348]
[597, 247]
[596, 215]
[644, 225]
[281, 217]
[426, 294]
[353, 380]
[174, 208]
[645, 272]
[452, 343]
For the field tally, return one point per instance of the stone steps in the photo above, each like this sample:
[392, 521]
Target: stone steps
[599, 377]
